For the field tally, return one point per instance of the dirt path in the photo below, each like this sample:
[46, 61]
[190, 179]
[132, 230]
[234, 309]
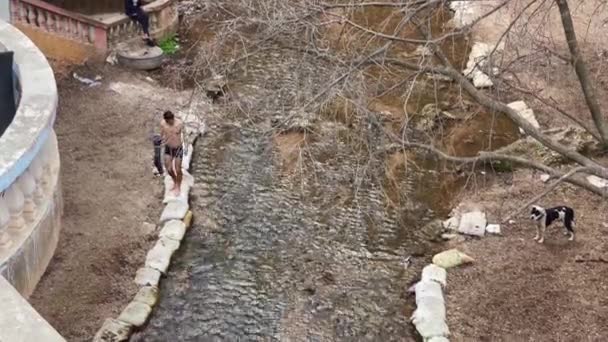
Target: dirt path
[109, 192]
[518, 290]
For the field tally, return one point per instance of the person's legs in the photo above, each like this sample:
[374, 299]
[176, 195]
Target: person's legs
[144, 20]
[178, 173]
[169, 164]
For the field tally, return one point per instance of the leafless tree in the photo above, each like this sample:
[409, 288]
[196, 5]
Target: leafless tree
[412, 44]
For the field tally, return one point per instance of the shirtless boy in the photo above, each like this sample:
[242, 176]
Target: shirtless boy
[171, 133]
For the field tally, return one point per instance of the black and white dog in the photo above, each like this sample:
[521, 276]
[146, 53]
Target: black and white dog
[544, 218]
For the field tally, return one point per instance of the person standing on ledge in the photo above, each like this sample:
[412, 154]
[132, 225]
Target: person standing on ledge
[171, 134]
[134, 10]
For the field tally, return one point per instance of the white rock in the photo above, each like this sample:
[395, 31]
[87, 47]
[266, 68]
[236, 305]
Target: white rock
[159, 257]
[168, 243]
[147, 295]
[451, 223]
[428, 289]
[113, 330]
[174, 210]
[493, 229]
[481, 80]
[174, 229]
[525, 112]
[147, 277]
[545, 177]
[187, 182]
[429, 323]
[473, 223]
[597, 181]
[433, 307]
[136, 314]
[434, 273]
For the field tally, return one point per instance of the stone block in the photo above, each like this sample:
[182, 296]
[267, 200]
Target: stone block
[170, 196]
[174, 210]
[113, 330]
[174, 230]
[135, 314]
[147, 277]
[159, 257]
[147, 295]
[473, 223]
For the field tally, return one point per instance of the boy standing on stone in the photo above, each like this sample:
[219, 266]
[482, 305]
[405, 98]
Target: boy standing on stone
[171, 134]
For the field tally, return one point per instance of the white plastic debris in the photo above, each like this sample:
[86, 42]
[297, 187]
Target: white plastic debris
[525, 112]
[493, 229]
[434, 273]
[545, 177]
[473, 223]
[597, 181]
[87, 81]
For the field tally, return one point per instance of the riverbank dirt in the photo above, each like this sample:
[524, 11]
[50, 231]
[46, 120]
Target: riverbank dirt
[519, 290]
[109, 192]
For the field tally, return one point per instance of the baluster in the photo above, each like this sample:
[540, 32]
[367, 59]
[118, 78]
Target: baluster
[42, 19]
[15, 202]
[50, 22]
[49, 152]
[27, 184]
[36, 170]
[91, 37]
[5, 219]
[74, 31]
[15, 10]
[31, 15]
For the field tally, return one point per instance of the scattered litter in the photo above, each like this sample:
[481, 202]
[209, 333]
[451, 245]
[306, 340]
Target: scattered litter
[473, 223]
[545, 177]
[89, 82]
[525, 112]
[597, 181]
[111, 59]
[493, 229]
[451, 258]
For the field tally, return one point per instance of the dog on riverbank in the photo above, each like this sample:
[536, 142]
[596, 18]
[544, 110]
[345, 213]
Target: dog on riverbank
[545, 217]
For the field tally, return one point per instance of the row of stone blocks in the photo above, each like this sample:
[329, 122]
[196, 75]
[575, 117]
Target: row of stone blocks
[175, 220]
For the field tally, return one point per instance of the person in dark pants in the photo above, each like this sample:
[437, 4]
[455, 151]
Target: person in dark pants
[157, 140]
[134, 11]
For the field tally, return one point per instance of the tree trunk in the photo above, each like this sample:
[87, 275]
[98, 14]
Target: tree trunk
[581, 71]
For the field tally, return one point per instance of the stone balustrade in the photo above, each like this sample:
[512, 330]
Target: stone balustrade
[50, 19]
[30, 191]
[58, 21]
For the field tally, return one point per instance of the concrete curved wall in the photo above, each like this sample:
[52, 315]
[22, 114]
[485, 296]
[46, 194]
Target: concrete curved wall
[30, 200]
